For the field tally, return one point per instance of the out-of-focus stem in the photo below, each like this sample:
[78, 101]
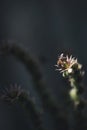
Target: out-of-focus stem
[29, 106]
[33, 68]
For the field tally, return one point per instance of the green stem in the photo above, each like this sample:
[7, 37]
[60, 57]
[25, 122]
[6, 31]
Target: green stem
[75, 97]
[78, 104]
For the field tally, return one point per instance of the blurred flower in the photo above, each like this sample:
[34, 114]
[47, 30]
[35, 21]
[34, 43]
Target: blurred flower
[13, 93]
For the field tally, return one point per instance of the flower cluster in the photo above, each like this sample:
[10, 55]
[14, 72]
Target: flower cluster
[66, 64]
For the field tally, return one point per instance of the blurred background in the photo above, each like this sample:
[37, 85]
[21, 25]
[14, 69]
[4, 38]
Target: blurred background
[46, 28]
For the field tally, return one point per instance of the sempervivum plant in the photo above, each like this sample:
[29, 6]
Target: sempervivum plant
[33, 67]
[72, 71]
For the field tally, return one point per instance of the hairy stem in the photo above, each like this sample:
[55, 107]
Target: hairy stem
[34, 69]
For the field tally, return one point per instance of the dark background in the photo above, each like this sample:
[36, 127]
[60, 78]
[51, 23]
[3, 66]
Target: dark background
[46, 28]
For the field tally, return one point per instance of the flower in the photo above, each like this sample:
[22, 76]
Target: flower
[13, 93]
[65, 63]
